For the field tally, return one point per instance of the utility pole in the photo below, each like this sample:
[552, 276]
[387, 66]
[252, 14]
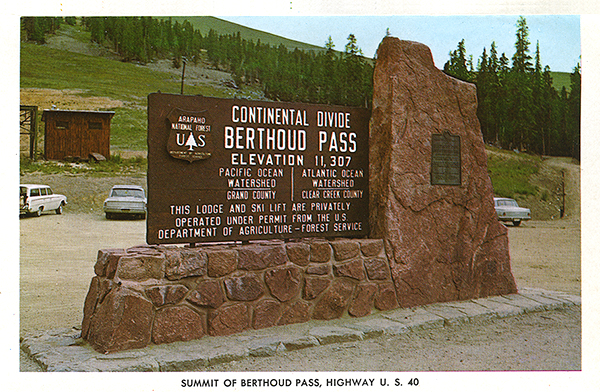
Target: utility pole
[183, 72]
[563, 207]
[184, 60]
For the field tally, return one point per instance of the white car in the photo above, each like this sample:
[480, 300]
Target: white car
[126, 200]
[34, 199]
[509, 211]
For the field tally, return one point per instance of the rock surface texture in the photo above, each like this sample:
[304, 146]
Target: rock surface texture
[163, 294]
[443, 242]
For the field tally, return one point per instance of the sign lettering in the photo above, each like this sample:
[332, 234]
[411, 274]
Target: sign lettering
[236, 170]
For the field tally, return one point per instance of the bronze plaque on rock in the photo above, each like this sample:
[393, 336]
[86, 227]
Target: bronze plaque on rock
[445, 159]
[238, 170]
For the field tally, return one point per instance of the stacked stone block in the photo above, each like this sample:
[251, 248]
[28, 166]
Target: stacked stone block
[162, 294]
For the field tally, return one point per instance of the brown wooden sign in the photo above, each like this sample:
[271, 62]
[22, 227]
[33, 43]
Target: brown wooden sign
[237, 170]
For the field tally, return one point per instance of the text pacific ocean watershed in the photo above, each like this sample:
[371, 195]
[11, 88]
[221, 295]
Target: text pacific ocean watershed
[249, 210]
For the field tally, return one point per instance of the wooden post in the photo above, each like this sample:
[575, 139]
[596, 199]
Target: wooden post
[183, 75]
[562, 208]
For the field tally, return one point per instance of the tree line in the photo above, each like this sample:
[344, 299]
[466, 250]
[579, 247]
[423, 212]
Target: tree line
[35, 29]
[325, 76]
[518, 106]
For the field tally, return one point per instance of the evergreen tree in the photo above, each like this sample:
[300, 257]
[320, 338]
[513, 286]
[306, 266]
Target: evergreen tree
[352, 74]
[330, 79]
[574, 114]
[520, 91]
[457, 65]
[537, 137]
[546, 121]
[521, 59]
[329, 45]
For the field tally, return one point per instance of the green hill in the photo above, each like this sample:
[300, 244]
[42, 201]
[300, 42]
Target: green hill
[87, 76]
[70, 61]
[205, 23]
[560, 80]
[46, 67]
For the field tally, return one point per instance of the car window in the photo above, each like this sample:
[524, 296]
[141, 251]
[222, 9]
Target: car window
[49, 191]
[43, 192]
[128, 193]
[35, 192]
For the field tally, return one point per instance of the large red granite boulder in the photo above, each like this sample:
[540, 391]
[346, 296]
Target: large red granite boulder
[334, 302]
[177, 323]
[284, 282]
[121, 321]
[443, 242]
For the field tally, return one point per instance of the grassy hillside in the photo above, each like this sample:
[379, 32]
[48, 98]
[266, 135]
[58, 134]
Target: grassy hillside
[44, 67]
[126, 84]
[539, 183]
[511, 172]
[560, 80]
[205, 23]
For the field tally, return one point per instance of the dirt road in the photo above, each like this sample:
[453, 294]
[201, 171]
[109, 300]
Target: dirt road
[58, 253]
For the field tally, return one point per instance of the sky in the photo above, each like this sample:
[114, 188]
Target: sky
[558, 35]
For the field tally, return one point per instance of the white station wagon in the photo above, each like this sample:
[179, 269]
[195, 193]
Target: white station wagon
[509, 211]
[35, 199]
[125, 200]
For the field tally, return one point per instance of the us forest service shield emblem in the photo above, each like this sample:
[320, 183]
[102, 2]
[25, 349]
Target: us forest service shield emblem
[189, 135]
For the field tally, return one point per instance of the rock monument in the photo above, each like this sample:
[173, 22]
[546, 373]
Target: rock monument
[434, 234]
[444, 242]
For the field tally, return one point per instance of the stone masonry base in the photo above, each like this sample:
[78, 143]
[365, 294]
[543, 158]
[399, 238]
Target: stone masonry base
[163, 294]
[63, 350]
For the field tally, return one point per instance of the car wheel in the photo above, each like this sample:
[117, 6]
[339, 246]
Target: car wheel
[109, 215]
[516, 223]
[59, 209]
[38, 213]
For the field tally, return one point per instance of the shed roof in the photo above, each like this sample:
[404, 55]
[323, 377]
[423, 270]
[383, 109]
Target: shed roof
[108, 113]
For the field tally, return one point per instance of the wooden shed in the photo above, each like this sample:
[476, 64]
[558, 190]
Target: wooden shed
[76, 133]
